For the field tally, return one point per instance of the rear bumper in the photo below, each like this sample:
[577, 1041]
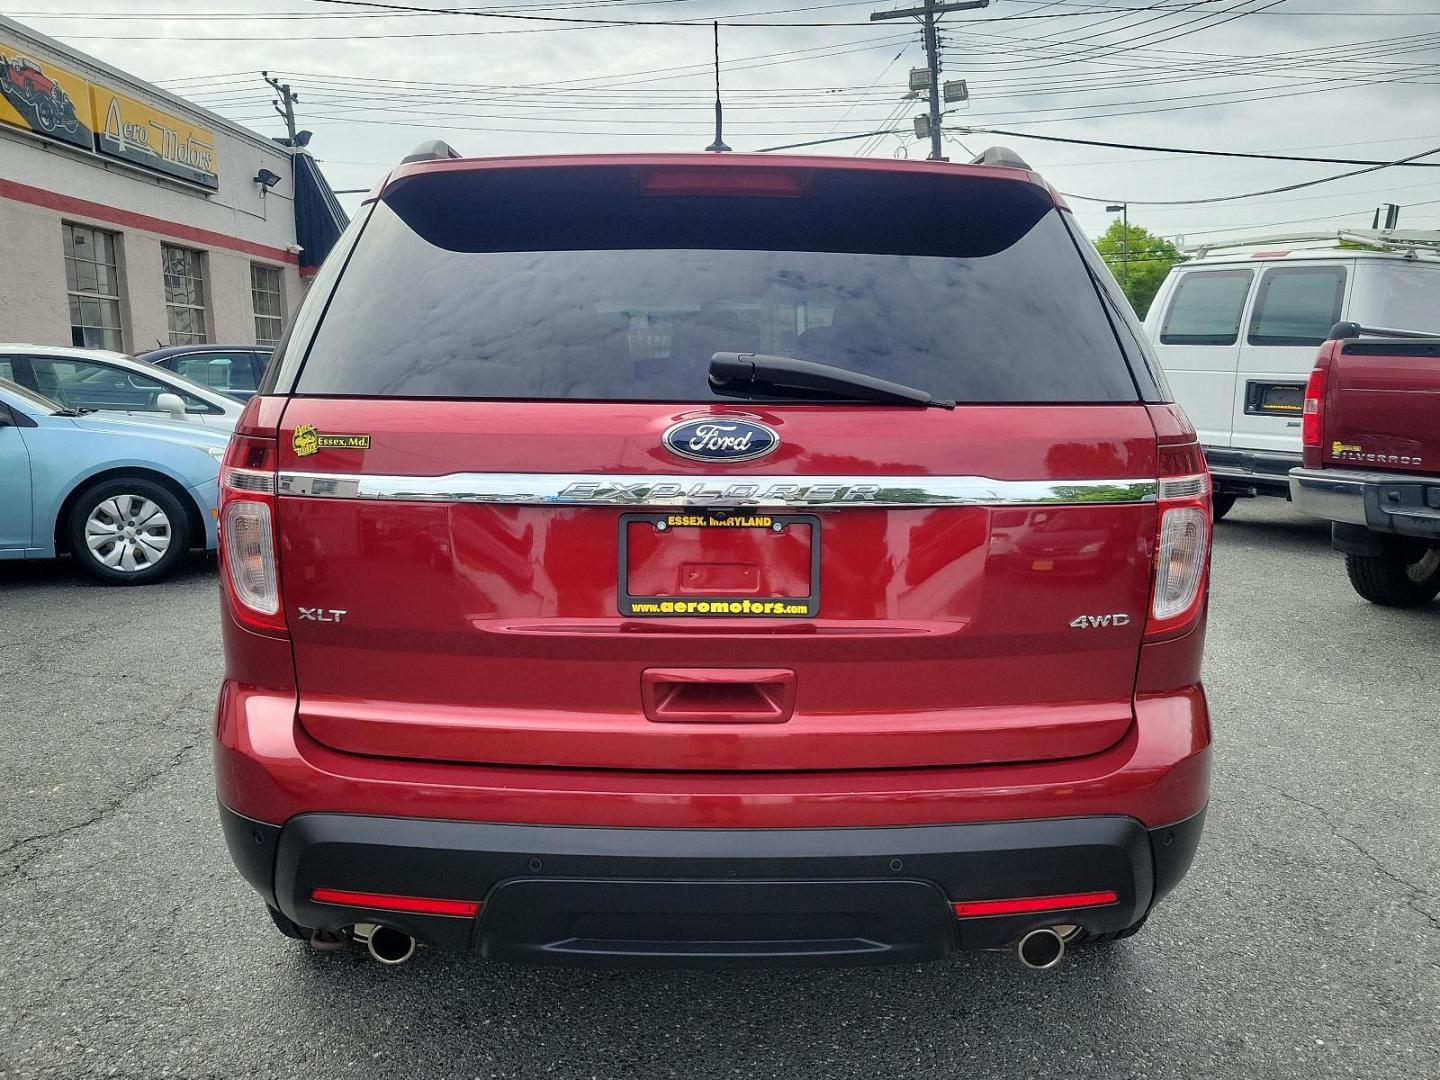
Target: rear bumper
[1250, 472]
[1381, 502]
[711, 897]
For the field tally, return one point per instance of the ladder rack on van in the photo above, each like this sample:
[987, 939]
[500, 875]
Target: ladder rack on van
[1411, 243]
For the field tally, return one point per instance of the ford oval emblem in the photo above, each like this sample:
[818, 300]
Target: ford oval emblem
[721, 438]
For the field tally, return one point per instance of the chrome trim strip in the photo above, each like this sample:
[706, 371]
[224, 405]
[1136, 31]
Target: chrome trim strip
[579, 489]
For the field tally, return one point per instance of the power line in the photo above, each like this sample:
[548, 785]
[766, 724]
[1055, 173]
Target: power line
[1266, 191]
[1199, 153]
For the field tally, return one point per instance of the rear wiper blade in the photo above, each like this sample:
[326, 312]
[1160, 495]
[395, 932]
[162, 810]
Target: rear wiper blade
[745, 374]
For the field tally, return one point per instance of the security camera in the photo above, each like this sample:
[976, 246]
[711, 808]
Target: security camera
[294, 249]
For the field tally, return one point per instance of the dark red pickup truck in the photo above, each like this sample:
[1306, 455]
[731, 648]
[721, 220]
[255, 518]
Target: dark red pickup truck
[1371, 432]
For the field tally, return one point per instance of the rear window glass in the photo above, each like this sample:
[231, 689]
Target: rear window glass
[1297, 305]
[1206, 308]
[585, 287]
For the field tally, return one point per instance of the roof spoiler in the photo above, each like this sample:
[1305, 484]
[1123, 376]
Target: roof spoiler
[433, 150]
[1002, 156]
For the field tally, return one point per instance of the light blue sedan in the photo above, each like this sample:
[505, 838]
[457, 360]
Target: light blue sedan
[126, 497]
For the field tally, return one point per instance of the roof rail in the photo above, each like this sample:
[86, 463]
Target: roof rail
[1343, 331]
[1407, 242]
[433, 150]
[1002, 156]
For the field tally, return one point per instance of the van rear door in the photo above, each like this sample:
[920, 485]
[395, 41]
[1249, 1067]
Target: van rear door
[518, 526]
[1294, 308]
[1196, 327]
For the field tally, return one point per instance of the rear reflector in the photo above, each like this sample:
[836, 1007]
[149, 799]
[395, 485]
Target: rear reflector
[975, 909]
[776, 183]
[415, 905]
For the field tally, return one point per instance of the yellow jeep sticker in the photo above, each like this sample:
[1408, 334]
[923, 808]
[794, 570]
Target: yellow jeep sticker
[308, 441]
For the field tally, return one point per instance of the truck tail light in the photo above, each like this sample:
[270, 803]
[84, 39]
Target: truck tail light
[1182, 547]
[249, 569]
[1314, 400]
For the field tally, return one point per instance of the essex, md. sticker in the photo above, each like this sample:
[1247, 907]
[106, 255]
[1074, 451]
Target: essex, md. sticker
[308, 441]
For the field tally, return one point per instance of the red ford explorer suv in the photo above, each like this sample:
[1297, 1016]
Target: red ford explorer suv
[713, 560]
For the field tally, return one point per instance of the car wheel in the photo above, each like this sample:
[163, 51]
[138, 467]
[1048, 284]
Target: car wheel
[1221, 504]
[128, 531]
[46, 118]
[1407, 575]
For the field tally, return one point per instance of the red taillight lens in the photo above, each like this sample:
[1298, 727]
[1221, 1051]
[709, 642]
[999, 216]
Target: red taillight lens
[1314, 399]
[723, 180]
[1182, 545]
[416, 905]
[249, 570]
[1022, 905]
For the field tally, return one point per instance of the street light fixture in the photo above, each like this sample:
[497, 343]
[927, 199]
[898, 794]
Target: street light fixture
[1123, 209]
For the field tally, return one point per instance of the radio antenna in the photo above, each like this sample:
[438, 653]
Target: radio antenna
[718, 146]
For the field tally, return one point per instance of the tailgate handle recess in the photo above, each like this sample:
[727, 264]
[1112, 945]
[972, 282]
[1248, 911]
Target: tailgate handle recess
[718, 695]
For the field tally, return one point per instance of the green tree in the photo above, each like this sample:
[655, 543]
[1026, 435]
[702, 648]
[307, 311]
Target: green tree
[1140, 264]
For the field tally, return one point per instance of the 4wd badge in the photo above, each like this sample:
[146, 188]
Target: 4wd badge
[307, 441]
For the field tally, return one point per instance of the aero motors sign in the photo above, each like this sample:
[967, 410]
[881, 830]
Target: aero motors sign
[50, 101]
[128, 129]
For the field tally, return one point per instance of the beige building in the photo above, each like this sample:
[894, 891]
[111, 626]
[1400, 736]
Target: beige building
[130, 218]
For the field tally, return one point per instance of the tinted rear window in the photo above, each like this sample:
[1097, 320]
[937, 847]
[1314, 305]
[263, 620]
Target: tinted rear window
[1206, 308]
[1297, 305]
[578, 284]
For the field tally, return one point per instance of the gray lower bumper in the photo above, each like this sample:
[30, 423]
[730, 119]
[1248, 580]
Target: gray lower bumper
[1382, 502]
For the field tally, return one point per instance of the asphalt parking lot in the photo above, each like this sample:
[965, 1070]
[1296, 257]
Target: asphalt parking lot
[1304, 943]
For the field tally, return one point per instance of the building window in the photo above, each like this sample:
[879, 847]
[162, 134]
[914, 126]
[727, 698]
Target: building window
[92, 280]
[269, 306]
[184, 295]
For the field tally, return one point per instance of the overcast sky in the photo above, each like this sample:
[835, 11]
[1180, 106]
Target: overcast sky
[1333, 78]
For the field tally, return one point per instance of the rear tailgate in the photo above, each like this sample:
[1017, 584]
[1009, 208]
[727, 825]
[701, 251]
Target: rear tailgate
[1383, 406]
[489, 553]
[492, 632]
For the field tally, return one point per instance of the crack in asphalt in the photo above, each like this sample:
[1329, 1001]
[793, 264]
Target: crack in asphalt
[37, 843]
[1416, 892]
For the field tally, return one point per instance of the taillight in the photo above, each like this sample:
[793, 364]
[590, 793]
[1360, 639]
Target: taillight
[249, 570]
[1314, 400]
[1182, 548]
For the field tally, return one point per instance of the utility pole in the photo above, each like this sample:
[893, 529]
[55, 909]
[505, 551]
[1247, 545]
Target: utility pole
[285, 106]
[929, 14]
[1123, 209]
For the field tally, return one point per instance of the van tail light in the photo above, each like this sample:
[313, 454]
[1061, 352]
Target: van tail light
[249, 569]
[1182, 548]
[1310, 419]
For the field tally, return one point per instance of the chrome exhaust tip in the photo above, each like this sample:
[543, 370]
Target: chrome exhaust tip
[1041, 950]
[386, 944]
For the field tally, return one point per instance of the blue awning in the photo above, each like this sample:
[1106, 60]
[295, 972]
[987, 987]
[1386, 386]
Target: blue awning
[319, 218]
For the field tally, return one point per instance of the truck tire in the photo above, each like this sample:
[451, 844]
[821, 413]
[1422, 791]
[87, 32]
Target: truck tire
[1406, 575]
[1221, 503]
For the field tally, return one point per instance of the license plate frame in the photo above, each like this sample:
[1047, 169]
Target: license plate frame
[644, 606]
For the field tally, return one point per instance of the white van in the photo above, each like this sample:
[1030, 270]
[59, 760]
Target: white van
[1237, 329]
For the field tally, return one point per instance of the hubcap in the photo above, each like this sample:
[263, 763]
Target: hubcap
[1423, 568]
[128, 533]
